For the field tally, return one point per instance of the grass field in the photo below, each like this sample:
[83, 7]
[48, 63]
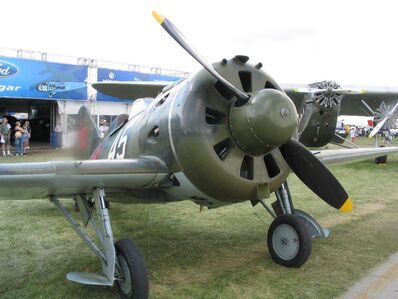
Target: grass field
[217, 253]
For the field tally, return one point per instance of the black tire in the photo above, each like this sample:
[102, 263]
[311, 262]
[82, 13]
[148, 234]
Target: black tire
[381, 160]
[289, 230]
[131, 261]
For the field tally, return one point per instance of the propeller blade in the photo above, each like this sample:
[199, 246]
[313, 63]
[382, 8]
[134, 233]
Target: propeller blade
[182, 41]
[344, 91]
[315, 175]
[367, 106]
[308, 90]
[378, 127]
[383, 121]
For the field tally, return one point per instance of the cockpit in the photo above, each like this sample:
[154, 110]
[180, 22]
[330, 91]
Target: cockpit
[139, 106]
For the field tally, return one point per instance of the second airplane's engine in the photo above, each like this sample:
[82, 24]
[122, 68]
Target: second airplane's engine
[318, 122]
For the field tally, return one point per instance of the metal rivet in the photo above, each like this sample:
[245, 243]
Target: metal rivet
[285, 112]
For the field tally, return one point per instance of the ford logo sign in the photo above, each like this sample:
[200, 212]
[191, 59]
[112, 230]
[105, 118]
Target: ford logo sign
[7, 69]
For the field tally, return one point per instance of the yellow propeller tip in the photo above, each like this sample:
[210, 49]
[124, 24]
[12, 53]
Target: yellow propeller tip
[158, 16]
[347, 206]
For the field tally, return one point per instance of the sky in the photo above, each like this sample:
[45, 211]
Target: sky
[351, 42]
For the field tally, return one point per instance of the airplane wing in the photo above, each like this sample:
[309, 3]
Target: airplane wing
[131, 89]
[352, 104]
[342, 156]
[373, 96]
[40, 179]
[297, 98]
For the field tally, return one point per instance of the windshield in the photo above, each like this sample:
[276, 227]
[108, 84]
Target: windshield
[139, 106]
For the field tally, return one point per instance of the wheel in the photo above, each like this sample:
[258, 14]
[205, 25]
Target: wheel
[289, 243]
[134, 281]
[381, 160]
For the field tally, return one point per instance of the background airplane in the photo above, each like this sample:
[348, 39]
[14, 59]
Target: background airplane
[318, 104]
[224, 135]
[321, 103]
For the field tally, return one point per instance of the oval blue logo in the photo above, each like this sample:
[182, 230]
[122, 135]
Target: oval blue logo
[7, 69]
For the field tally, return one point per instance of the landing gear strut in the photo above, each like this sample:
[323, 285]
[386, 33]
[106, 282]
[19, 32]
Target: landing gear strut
[121, 262]
[289, 236]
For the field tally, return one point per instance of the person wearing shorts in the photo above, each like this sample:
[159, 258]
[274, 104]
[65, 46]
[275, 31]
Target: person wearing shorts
[5, 133]
[18, 139]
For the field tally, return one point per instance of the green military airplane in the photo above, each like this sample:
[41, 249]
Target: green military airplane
[224, 135]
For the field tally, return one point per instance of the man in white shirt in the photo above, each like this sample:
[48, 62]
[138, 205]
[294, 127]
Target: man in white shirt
[103, 128]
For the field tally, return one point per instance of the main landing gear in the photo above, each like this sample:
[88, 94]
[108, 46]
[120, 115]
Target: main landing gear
[289, 236]
[122, 263]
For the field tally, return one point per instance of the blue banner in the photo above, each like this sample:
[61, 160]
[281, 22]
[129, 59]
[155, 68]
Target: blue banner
[105, 74]
[35, 79]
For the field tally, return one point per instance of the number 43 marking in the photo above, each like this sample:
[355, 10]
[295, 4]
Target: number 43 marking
[118, 148]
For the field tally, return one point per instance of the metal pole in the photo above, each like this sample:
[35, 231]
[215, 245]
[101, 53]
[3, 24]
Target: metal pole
[267, 208]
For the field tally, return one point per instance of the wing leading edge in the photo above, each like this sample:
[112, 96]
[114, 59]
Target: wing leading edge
[37, 180]
[342, 156]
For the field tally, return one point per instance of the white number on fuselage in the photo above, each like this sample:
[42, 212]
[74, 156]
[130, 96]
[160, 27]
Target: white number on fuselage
[118, 148]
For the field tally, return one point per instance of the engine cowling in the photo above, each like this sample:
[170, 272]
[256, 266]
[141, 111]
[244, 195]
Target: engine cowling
[318, 122]
[236, 158]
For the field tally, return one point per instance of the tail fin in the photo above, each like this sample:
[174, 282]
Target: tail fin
[88, 135]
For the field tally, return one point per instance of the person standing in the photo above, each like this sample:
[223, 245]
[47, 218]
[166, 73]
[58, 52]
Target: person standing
[25, 137]
[29, 131]
[353, 133]
[387, 136]
[58, 134]
[5, 132]
[18, 138]
[104, 128]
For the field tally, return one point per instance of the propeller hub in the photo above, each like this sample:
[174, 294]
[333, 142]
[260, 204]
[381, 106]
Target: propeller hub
[266, 121]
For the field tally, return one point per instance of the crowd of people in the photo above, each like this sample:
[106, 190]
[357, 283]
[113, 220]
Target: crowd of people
[21, 135]
[356, 132]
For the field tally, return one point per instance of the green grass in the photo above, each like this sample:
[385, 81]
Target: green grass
[217, 253]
